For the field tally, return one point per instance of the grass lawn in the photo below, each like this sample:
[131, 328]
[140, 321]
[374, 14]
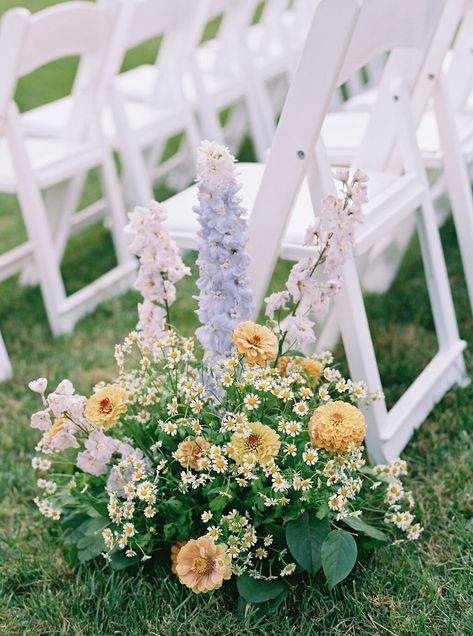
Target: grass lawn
[403, 590]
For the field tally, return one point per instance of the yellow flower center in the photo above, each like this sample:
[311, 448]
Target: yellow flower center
[201, 566]
[337, 418]
[254, 341]
[105, 405]
[253, 441]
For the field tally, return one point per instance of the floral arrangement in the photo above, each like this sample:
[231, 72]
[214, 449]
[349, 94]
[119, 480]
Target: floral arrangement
[236, 454]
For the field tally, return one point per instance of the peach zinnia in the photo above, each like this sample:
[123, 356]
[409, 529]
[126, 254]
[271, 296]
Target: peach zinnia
[189, 453]
[336, 426]
[257, 343]
[262, 441]
[104, 407]
[203, 565]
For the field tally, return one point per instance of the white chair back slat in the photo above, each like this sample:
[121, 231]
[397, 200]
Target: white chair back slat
[306, 104]
[149, 18]
[385, 25]
[460, 72]
[51, 35]
[419, 67]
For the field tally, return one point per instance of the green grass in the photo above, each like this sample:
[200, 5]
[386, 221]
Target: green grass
[404, 590]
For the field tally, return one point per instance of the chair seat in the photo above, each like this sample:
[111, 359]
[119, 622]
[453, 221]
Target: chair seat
[389, 196]
[52, 119]
[343, 132]
[223, 83]
[52, 159]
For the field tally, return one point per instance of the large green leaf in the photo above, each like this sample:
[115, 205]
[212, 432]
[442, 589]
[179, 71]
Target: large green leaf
[256, 591]
[261, 609]
[358, 524]
[305, 537]
[339, 554]
[120, 561]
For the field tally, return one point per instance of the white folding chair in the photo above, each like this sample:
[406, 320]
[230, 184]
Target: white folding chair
[42, 170]
[147, 103]
[273, 49]
[142, 108]
[445, 137]
[284, 196]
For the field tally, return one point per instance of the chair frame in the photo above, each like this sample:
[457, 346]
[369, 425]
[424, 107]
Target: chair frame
[31, 41]
[297, 152]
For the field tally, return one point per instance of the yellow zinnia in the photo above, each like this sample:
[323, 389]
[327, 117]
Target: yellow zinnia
[337, 425]
[104, 407]
[262, 441]
[258, 344]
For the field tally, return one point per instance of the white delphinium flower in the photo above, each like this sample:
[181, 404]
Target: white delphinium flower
[275, 302]
[161, 267]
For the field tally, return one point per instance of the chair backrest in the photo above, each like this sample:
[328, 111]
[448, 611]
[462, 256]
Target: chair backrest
[419, 64]
[460, 71]
[140, 21]
[28, 42]
[365, 29]
[235, 16]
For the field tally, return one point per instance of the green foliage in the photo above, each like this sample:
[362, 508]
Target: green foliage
[356, 523]
[255, 591]
[339, 553]
[305, 537]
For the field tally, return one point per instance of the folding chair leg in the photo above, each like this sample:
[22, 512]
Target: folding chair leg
[261, 140]
[111, 187]
[457, 179]
[135, 174]
[73, 191]
[44, 252]
[5, 365]
[358, 345]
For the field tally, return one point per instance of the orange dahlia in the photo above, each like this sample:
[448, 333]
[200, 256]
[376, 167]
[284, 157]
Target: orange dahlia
[336, 426]
[189, 452]
[257, 343]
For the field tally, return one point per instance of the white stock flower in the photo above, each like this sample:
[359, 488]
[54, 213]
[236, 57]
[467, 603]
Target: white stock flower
[41, 420]
[38, 386]
[300, 330]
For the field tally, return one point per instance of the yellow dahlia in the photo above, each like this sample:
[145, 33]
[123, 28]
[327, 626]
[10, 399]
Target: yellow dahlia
[258, 344]
[262, 441]
[337, 425]
[190, 452]
[104, 407]
[176, 548]
[312, 367]
[283, 361]
[203, 565]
